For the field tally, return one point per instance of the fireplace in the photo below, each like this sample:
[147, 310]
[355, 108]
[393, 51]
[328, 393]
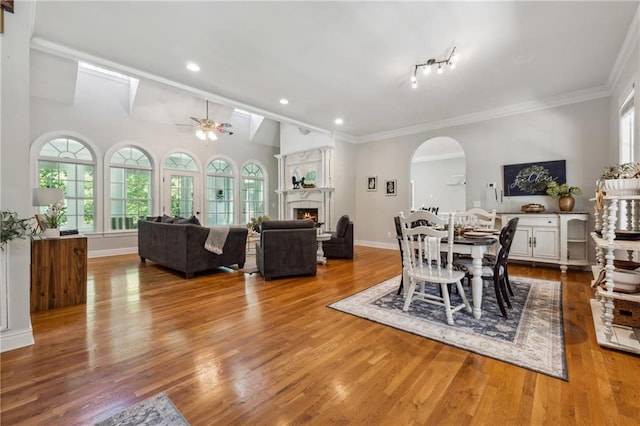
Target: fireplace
[306, 213]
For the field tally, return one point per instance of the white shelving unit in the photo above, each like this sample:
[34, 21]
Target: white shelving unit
[602, 307]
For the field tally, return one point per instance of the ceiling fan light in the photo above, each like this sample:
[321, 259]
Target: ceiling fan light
[414, 79]
[426, 70]
[211, 135]
[200, 134]
[440, 69]
[414, 85]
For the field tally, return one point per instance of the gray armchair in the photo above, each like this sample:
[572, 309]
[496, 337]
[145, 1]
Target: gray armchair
[286, 248]
[340, 246]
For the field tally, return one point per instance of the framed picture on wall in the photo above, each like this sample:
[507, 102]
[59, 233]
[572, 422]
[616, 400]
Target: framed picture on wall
[391, 187]
[531, 178]
[372, 183]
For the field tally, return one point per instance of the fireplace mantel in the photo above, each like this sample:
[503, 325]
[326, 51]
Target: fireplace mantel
[316, 164]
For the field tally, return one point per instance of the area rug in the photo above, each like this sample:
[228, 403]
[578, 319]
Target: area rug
[531, 337]
[157, 411]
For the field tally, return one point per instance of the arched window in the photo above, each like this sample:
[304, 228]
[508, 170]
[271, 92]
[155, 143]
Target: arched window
[130, 171]
[252, 192]
[219, 193]
[181, 173]
[67, 163]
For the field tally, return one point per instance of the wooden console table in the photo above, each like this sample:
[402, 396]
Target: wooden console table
[58, 272]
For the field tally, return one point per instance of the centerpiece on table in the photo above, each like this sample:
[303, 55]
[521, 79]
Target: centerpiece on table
[564, 193]
[256, 222]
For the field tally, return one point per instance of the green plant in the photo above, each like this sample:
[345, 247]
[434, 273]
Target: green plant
[13, 227]
[555, 190]
[256, 222]
[55, 214]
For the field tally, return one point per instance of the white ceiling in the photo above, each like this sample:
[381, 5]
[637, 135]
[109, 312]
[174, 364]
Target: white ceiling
[352, 59]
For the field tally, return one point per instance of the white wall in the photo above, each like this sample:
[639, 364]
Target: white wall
[437, 184]
[577, 133]
[15, 192]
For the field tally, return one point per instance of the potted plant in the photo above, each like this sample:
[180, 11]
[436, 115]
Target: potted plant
[54, 218]
[254, 224]
[564, 193]
[621, 179]
[13, 228]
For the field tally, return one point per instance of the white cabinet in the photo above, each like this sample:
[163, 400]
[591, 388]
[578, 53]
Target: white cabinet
[558, 238]
[607, 224]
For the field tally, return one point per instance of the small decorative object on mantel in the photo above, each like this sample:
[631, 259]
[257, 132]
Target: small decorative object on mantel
[564, 193]
[621, 179]
[532, 208]
[308, 185]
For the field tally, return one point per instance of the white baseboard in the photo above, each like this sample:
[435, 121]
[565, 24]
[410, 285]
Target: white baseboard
[112, 252]
[12, 339]
[377, 244]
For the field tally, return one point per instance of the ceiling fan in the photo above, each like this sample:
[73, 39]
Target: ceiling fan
[207, 128]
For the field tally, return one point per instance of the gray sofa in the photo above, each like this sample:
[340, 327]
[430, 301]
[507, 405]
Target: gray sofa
[286, 248]
[181, 246]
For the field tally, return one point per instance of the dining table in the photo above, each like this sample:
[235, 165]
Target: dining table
[476, 248]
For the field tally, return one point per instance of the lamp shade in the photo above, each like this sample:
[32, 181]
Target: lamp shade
[46, 196]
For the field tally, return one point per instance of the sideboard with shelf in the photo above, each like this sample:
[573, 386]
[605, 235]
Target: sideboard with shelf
[607, 223]
[555, 238]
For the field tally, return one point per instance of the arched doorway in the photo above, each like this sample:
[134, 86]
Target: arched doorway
[438, 175]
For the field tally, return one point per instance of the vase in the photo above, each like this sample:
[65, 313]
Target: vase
[566, 203]
[52, 233]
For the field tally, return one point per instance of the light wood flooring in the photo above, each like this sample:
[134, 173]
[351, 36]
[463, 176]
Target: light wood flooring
[233, 349]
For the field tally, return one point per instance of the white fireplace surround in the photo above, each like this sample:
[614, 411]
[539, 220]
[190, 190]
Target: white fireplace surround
[316, 167]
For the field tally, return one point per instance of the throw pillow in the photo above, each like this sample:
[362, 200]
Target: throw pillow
[191, 220]
[341, 228]
[166, 219]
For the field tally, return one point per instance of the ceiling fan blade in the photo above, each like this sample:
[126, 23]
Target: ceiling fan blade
[197, 120]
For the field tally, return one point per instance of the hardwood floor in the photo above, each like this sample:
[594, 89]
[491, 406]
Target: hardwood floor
[230, 348]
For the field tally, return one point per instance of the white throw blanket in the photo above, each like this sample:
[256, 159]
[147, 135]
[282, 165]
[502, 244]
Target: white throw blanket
[216, 239]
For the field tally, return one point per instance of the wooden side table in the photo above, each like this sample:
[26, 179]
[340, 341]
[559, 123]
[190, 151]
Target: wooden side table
[58, 272]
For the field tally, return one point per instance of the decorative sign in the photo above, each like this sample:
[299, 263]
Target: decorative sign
[532, 178]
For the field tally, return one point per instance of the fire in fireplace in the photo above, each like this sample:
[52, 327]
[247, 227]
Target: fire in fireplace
[306, 214]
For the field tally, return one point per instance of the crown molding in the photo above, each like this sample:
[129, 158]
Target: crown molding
[428, 158]
[530, 106]
[626, 50]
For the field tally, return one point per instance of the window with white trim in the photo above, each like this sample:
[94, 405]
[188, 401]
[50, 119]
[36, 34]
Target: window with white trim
[627, 118]
[68, 163]
[253, 192]
[219, 193]
[130, 188]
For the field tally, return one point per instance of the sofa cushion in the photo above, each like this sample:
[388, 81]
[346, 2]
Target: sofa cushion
[166, 219]
[341, 228]
[194, 220]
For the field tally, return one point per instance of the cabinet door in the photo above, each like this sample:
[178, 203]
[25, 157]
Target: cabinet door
[521, 244]
[545, 243]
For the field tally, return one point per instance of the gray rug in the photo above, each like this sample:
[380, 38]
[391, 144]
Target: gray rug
[157, 411]
[532, 337]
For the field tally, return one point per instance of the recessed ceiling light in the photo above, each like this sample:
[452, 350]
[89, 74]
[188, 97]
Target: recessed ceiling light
[338, 121]
[284, 101]
[192, 66]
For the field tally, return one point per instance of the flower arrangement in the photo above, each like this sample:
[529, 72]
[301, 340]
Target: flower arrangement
[555, 190]
[55, 214]
[621, 171]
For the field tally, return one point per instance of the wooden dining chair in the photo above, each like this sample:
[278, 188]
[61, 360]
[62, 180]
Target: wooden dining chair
[422, 248]
[496, 271]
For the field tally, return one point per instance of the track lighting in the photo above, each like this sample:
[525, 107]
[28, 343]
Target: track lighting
[451, 60]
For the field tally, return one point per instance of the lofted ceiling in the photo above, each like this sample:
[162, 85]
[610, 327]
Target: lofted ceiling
[352, 59]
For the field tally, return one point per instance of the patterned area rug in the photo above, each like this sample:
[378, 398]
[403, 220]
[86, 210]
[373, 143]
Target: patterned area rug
[157, 411]
[532, 337]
